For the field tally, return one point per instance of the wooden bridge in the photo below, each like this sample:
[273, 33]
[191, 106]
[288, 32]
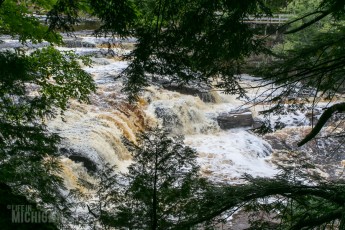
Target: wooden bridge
[276, 19]
[268, 23]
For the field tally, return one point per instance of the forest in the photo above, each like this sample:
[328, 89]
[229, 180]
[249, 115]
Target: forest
[155, 114]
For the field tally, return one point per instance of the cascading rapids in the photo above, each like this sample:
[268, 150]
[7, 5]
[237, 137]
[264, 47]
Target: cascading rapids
[92, 133]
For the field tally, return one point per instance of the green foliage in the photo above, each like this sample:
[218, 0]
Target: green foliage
[120, 16]
[50, 68]
[188, 41]
[40, 4]
[309, 62]
[296, 199]
[17, 20]
[310, 65]
[180, 41]
[298, 9]
[278, 6]
[63, 15]
[34, 86]
[162, 188]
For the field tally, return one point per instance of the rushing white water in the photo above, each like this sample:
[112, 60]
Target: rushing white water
[94, 131]
[226, 156]
[223, 155]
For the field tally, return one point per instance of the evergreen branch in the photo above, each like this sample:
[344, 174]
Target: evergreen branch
[299, 19]
[326, 115]
[318, 220]
[307, 24]
[262, 188]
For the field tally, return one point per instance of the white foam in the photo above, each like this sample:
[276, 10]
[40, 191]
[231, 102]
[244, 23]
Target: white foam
[227, 155]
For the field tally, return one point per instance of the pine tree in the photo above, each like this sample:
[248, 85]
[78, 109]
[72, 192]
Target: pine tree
[162, 188]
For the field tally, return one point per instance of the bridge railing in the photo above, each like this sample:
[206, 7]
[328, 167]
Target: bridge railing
[276, 19]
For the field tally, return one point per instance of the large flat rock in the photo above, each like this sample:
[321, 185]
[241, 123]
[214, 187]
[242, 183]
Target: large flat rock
[235, 120]
[204, 93]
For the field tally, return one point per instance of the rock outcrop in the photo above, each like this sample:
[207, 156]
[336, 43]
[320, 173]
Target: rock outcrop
[203, 91]
[235, 119]
[75, 43]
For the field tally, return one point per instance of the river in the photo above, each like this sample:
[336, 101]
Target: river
[92, 132]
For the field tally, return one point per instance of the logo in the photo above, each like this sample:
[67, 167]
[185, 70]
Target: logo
[29, 214]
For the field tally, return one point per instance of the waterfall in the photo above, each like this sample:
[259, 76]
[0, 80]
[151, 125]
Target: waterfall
[92, 133]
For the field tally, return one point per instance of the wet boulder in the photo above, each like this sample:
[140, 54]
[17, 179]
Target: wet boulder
[77, 157]
[236, 119]
[169, 118]
[75, 43]
[203, 92]
[100, 61]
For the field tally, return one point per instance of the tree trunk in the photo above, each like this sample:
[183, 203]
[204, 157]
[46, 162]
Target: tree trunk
[154, 198]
